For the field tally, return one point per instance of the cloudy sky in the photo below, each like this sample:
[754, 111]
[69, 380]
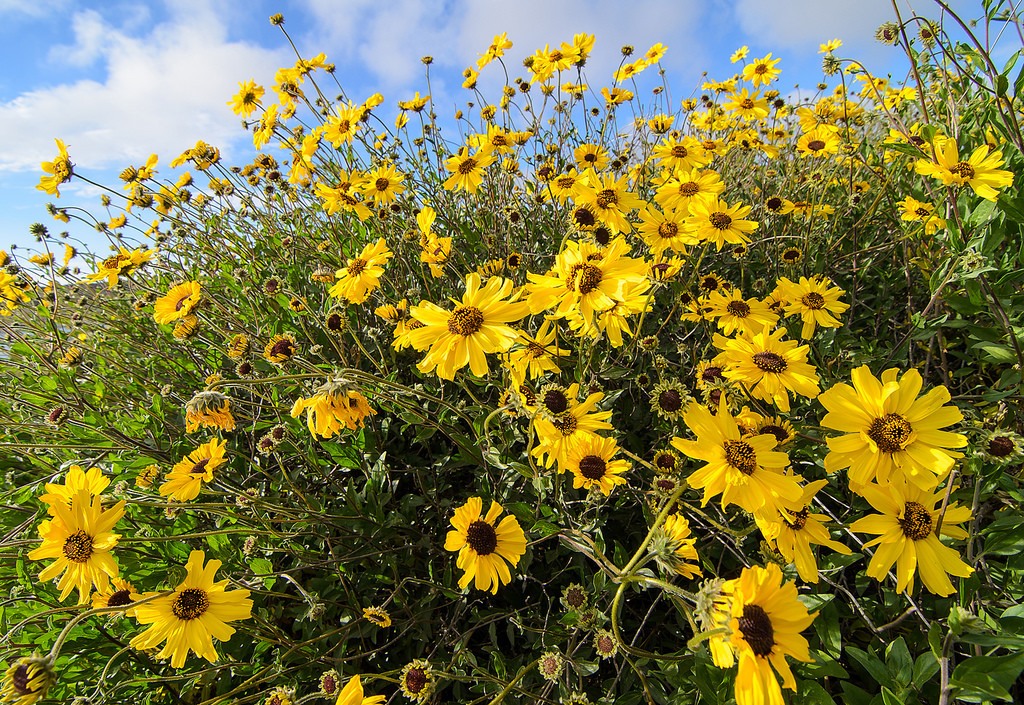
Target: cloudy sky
[118, 80]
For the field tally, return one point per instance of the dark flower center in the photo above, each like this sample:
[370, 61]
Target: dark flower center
[816, 145]
[741, 455]
[356, 266]
[740, 309]
[592, 467]
[382, 184]
[680, 152]
[720, 221]
[963, 170]
[200, 467]
[670, 400]
[415, 680]
[282, 348]
[566, 424]
[916, 522]
[481, 537]
[780, 433]
[190, 604]
[668, 230]
[711, 373]
[1000, 446]
[78, 547]
[467, 166]
[796, 520]
[465, 321]
[119, 598]
[756, 627]
[584, 278]
[688, 189]
[607, 197]
[605, 644]
[813, 300]
[555, 401]
[890, 433]
[774, 203]
[665, 461]
[575, 597]
[770, 362]
[747, 104]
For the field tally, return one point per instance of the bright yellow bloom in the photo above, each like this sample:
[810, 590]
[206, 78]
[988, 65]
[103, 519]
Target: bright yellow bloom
[716, 222]
[732, 313]
[680, 548]
[188, 476]
[740, 54]
[815, 300]
[663, 230]
[342, 128]
[352, 694]
[332, 408]
[209, 409]
[177, 303]
[682, 154]
[907, 538]
[192, 616]
[496, 50]
[247, 99]
[915, 210]
[564, 421]
[125, 262]
[485, 549]
[11, 293]
[761, 72]
[764, 618]
[590, 156]
[384, 184]
[792, 532]
[119, 594]
[92, 480]
[59, 171]
[981, 170]
[478, 325]
[80, 538]
[468, 169]
[538, 356]
[890, 432]
[745, 471]
[590, 461]
[362, 274]
[768, 366]
[26, 681]
[819, 142]
[748, 106]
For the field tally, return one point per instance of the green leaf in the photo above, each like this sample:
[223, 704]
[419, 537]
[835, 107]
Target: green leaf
[872, 665]
[984, 678]
[899, 662]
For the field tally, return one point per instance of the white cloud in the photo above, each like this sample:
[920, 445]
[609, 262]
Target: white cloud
[160, 91]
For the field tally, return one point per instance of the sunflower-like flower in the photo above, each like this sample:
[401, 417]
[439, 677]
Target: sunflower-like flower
[981, 170]
[890, 432]
[417, 680]
[59, 171]
[362, 274]
[715, 221]
[674, 547]
[280, 349]
[122, 264]
[468, 169]
[815, 300]
[77, 479]
[538, 355]
[118, 594]
[745, 471]
[590, 461]
[209, 409]
[563, 421]
[27, 680]
[761, 72]
[177, 303]
[197, 612]
[768, 366]
[377, 616]
[764, 618]
[907, 537]
[187, 477]
[80, 538]
[611, 200]
[463, 336]
[792, 532]
[586, 278]
[334, 406]
[731, 312]
[485, 549]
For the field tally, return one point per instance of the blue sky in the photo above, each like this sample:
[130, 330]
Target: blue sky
[120, 80]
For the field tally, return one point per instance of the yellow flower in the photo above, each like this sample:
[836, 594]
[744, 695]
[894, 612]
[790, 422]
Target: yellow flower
[417, 680]
[907, 538]
[715, 221]
[187, 477]
[11, 293]
[476, 326]
[732, 313]
[981, 170]
[79, 537]
[118, 594]
[377, 616]
[362, 274]
[591, 156]
[678, 548]
[468, 169]
[914, 210]
[332, 408]
[125, 262]
[538, 356]
[352, 694]
[745, 471]
[485, 549]
[342, 128]
[611, 200]
[384, 184]
[193, 615]
[815, 300]
[663, 230]
[91, 480]
[247, 99]
[830, 46]
[748, 106]
[819, 142]
[764, 618]
[59, 170]
[209, 409]
[177, 303]
[26, 681]
[589, 459]
[792, 532]
[768, 366]
[564, 421]
[740, 54]
[890, 432]
[761, 72]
